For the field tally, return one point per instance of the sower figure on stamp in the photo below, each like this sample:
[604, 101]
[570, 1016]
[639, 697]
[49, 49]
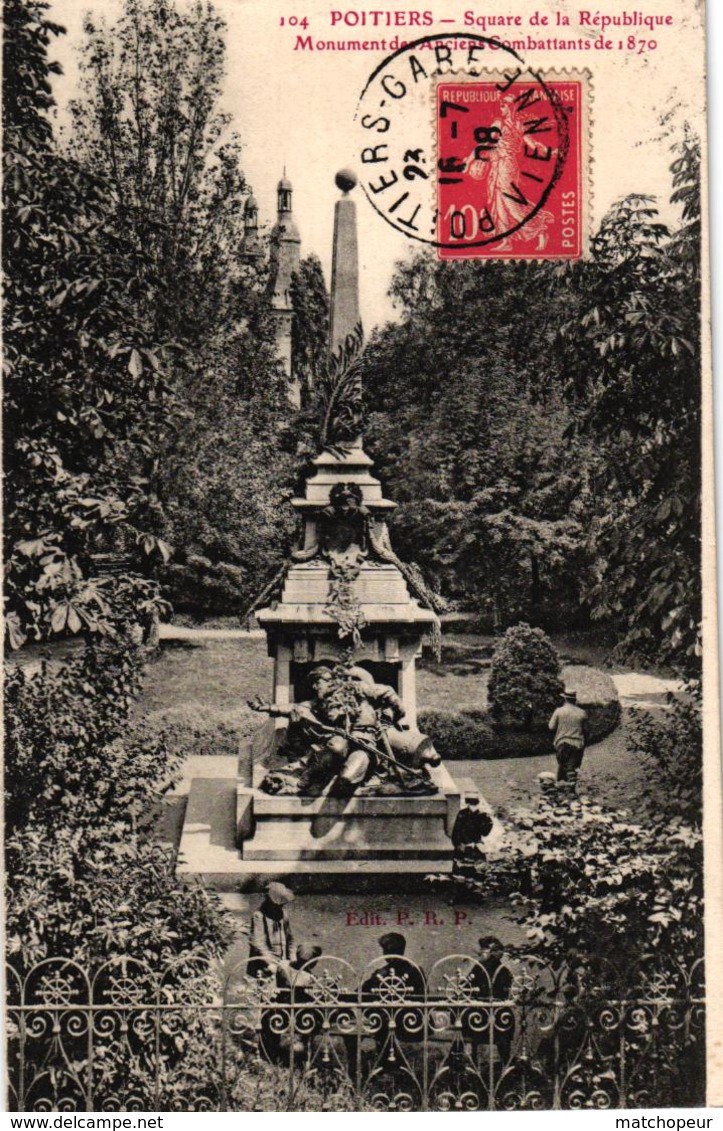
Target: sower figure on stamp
[569, 722]
[351, 730]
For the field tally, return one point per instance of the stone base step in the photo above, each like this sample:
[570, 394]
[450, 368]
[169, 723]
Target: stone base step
[353, 836]
[333, 876]
[208, 852]
[284, 851]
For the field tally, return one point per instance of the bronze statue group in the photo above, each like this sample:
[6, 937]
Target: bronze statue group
[352, 732]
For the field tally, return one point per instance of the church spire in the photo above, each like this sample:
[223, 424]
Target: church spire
[285, 261]
[284, 192]
[251, 248]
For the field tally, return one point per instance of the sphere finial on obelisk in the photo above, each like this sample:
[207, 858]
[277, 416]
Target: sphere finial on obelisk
[344, 319]
[346, 180]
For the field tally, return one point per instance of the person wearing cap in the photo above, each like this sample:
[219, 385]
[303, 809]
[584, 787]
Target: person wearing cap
[569, 722]
[271, 942]
[471, 826]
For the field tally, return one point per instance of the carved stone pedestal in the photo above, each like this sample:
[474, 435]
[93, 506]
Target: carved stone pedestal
[235, 837]
[406, 828]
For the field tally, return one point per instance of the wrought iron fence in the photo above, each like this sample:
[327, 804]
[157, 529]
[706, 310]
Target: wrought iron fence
[464, 1035]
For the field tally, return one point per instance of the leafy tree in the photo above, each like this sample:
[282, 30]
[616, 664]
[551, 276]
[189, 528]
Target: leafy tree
[84, 387]
[225, 487]
[468, 431]
[632, 364]
[550, 444]
[149, 114]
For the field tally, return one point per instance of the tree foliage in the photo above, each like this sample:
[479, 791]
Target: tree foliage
[84, 386]
[468, 433]
[82, 789]
[540, 426]
[150, 114]
[310, 327]
[600, 882]
[671, 745]
[632, 366]
[85, 879]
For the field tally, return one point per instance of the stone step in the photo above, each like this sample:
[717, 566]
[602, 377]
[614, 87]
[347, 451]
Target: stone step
[335, 876]
[401, 851]
[286, 807]
[347, 840]
[208, 852]
[209, 828]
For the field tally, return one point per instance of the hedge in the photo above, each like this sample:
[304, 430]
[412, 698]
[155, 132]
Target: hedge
[475, 735]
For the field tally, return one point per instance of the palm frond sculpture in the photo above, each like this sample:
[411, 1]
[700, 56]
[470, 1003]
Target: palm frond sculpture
[342, 394]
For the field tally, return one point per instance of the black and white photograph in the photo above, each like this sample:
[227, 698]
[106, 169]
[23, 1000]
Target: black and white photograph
[361, 738]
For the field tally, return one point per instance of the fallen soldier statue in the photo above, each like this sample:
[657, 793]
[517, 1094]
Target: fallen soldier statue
[352, 732]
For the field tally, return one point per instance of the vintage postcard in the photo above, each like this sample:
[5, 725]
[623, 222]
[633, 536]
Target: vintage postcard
[361, 714]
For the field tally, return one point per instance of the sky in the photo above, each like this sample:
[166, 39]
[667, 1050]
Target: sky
[296, 108]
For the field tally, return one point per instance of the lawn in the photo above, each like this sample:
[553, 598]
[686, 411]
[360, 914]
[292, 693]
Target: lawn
[221, 675]
[212, 675]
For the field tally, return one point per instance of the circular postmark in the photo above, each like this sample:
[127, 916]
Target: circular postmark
[458, 153]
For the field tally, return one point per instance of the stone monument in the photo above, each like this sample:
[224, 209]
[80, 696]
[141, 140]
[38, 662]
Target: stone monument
[343, 608]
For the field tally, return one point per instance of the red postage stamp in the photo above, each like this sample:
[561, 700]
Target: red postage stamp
[510, 168]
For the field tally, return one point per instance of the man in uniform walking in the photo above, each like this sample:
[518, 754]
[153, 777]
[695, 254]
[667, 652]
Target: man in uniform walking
[569, 722]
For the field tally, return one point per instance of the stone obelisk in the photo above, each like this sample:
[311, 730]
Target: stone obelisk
[344, 318]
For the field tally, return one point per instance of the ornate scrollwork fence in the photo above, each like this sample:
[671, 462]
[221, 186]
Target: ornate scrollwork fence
[197, 1037]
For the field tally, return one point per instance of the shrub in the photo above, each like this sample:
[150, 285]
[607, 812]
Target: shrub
[201, 586]
[525, 684]
[589, 877]
[672, 749]
[477, 734]
[84, 878]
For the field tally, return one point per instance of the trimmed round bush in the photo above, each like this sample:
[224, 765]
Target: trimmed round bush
[525, 684]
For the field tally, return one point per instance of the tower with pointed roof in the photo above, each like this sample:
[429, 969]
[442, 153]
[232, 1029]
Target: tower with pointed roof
[252, 249]
[285, 260]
